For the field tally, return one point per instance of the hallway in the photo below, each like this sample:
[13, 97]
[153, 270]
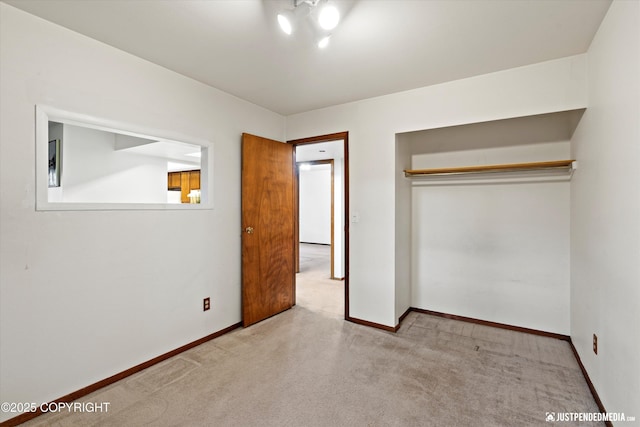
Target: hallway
[315, 291]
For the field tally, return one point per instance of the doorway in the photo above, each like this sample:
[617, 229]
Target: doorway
[322, 282]
[318, 209]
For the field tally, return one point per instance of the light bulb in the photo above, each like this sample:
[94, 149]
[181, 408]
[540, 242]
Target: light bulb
[324, 42]
[285, 22]
[329, 17]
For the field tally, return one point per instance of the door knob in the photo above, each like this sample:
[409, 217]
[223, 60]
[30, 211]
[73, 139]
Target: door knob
[249, 230]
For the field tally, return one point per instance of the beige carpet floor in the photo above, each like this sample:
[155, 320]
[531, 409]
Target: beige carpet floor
[314, 288]
[308, 367]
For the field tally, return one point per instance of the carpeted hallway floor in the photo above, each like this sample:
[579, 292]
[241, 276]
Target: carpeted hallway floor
[308, 367]
[314, 288]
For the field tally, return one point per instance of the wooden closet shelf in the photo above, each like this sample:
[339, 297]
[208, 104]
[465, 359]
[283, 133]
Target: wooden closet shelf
[513, 167]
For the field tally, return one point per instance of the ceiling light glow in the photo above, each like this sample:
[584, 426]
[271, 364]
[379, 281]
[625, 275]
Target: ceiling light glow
[324, 42]
[284, 20]
[329, 17]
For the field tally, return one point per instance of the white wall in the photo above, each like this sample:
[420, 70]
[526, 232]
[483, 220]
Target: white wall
[403, 238]
[85, 295]
[605, 214]
[315, 204]
[95, 172]
[373, 124]
[496, 250]
[338, 218]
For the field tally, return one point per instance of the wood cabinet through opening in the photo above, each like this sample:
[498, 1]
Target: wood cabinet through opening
[185, 181]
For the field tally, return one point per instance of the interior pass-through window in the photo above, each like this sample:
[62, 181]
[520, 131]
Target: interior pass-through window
[83, 164]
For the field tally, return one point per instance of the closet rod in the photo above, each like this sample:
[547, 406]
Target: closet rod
[556, 164]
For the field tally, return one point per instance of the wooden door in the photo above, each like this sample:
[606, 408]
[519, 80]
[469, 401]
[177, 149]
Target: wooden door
[268, 276]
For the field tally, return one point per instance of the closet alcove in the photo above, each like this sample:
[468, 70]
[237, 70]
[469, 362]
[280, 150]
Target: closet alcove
[482, 220]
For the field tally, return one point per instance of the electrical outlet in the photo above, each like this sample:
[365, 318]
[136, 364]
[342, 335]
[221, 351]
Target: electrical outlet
[595, 343]
[206, 304]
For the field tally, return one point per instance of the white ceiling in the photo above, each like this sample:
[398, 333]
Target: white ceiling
[380, 47]
[179, 152]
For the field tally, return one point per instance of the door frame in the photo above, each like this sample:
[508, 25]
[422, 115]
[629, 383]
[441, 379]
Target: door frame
[344, 136]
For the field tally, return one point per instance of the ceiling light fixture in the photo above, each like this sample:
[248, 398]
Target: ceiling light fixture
[329, 17]
[323, 19]
[288, 19]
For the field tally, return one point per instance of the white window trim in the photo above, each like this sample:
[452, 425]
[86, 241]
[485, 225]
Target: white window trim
[44, 114]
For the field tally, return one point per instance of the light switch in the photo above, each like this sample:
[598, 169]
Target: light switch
[355, 217]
